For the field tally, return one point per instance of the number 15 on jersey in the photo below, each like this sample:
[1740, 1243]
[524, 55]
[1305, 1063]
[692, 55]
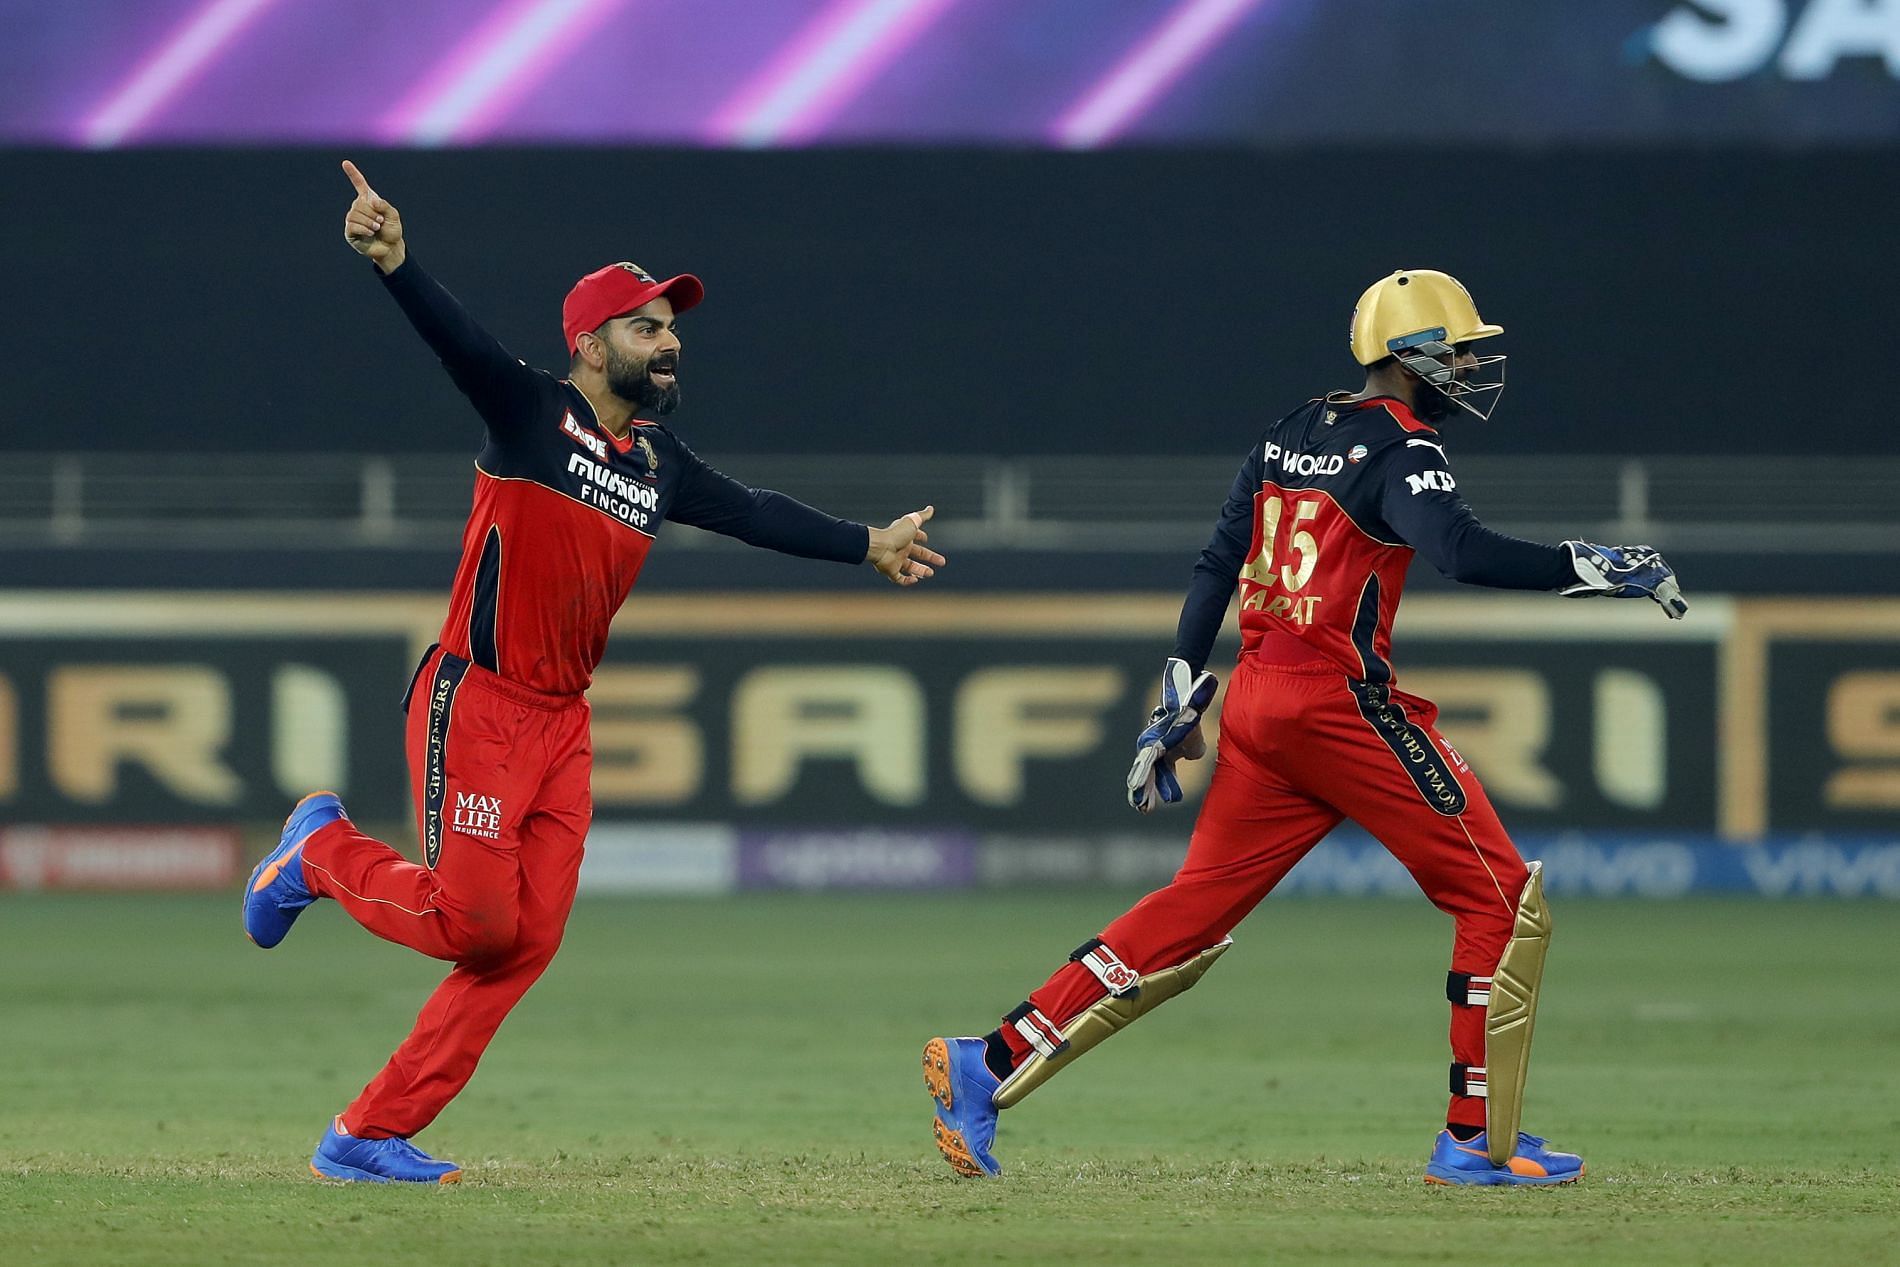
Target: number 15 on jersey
[1289, 569]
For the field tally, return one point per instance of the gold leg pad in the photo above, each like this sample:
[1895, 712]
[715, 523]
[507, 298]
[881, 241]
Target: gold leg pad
[1510, 1017]
[1098, 1022]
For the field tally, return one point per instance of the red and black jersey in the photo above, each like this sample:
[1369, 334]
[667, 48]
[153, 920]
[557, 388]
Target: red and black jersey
[565, 512]
[1320, 527]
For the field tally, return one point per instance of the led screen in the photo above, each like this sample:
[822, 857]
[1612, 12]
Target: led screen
[1039, 73]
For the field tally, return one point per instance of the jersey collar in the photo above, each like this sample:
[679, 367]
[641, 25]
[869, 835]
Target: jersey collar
[622, 444]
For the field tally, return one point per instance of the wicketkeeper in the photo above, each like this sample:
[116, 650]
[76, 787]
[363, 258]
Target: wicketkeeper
[1318, 531]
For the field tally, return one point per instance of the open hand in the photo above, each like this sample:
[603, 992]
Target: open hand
[899, 552]
[373, 227]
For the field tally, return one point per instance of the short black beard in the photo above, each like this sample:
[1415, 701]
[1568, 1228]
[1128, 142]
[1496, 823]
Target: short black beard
[1434, 405]
[629, 380]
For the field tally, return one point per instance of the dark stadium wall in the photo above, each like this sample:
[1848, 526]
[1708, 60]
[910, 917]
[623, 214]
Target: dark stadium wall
[958, 301]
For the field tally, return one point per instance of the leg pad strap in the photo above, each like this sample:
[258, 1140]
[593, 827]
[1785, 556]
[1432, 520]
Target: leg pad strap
[1116, 977]
[1037, 1030]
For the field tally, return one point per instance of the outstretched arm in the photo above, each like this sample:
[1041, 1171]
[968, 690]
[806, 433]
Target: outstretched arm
[712, 500]
[1421, 504]
[503, 390]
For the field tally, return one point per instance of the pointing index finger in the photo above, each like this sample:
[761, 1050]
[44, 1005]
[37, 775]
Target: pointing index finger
[356, 178]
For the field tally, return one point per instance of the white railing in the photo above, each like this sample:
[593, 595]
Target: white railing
[1134, 502]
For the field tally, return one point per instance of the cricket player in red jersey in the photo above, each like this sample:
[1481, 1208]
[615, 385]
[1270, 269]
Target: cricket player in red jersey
[571, 488]
[1317, 534]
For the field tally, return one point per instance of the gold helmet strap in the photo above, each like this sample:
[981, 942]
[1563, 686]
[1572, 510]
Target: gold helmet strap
[1510, 1017]
[1094, 1025]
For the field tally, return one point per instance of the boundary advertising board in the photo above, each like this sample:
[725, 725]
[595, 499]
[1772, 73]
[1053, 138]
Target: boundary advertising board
[939, 712]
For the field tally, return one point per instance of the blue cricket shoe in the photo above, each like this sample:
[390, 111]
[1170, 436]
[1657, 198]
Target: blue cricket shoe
[1469, 1161]
[961, 1084]
[341, 1155]
[276, 895]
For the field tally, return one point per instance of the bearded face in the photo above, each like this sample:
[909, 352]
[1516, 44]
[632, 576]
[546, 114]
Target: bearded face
[1465, 395]
[1433, 405]
[651, 383]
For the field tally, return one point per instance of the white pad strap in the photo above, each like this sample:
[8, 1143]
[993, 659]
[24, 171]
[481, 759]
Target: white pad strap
[1468, 1080]
[1120, 980]
[1038, 1031]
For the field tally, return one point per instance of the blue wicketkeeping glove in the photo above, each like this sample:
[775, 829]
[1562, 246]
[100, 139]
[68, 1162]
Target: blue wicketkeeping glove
[1625, 572]
[1173, 734]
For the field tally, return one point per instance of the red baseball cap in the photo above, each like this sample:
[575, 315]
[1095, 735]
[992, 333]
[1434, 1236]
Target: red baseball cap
[618, 289]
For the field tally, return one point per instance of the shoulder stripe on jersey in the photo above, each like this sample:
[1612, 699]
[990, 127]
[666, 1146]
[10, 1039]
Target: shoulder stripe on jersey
[1404, 416]
[1365, 631]
[485, 612]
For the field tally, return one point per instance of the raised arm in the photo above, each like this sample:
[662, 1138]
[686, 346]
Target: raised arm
[503, 390]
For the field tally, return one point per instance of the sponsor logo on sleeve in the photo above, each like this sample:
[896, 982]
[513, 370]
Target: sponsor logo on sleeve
[1432, 481]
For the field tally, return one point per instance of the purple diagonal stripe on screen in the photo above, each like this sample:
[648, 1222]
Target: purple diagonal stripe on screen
[821, 70]
[1153, 66]
[170, 68]
[471, 89]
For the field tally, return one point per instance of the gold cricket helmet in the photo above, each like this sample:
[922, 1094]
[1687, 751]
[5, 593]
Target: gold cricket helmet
[1424, 318]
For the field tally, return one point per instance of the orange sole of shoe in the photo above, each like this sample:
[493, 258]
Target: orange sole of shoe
[937, 1072]
[1446, 1183]
[955, 1151]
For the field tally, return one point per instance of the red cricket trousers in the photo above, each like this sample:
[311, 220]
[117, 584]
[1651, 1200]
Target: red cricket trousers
[501, 781]
[1300, 748]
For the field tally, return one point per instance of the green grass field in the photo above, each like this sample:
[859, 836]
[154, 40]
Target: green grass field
[737, 1082]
